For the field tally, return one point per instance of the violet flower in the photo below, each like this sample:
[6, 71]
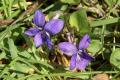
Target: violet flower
[43, 29]
[80, 58]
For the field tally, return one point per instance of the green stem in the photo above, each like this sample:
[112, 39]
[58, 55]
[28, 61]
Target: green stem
[68, 74]
[102, 38]
[104, 22]
[7, 67]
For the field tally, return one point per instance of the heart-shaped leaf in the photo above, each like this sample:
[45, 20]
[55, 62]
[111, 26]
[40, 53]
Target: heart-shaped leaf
[79, 20]
[95, 46]
[115, 58]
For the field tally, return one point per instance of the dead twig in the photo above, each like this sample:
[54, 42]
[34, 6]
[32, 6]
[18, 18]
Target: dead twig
[6, 22]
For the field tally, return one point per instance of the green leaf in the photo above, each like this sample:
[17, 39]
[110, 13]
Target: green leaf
[21, 67]
[2, 55]
[104, 22]
[111, 2]
[95, 46]
[71, 1]
[115, 58]
[27, 55]
[7, 31]
[30, 58]
[12, 48]
[79, 20]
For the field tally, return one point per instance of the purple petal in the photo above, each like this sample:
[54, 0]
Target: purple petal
[67, 48]
[49, 42]
[54, 26]
[84, 43]
[39, 19]
[32, 31]
[73, 61]
[38, 40]
[85, 58]
[82, 63]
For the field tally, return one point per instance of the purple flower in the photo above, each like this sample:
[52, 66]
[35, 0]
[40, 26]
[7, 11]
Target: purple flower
[80, 58]
[43, 29]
